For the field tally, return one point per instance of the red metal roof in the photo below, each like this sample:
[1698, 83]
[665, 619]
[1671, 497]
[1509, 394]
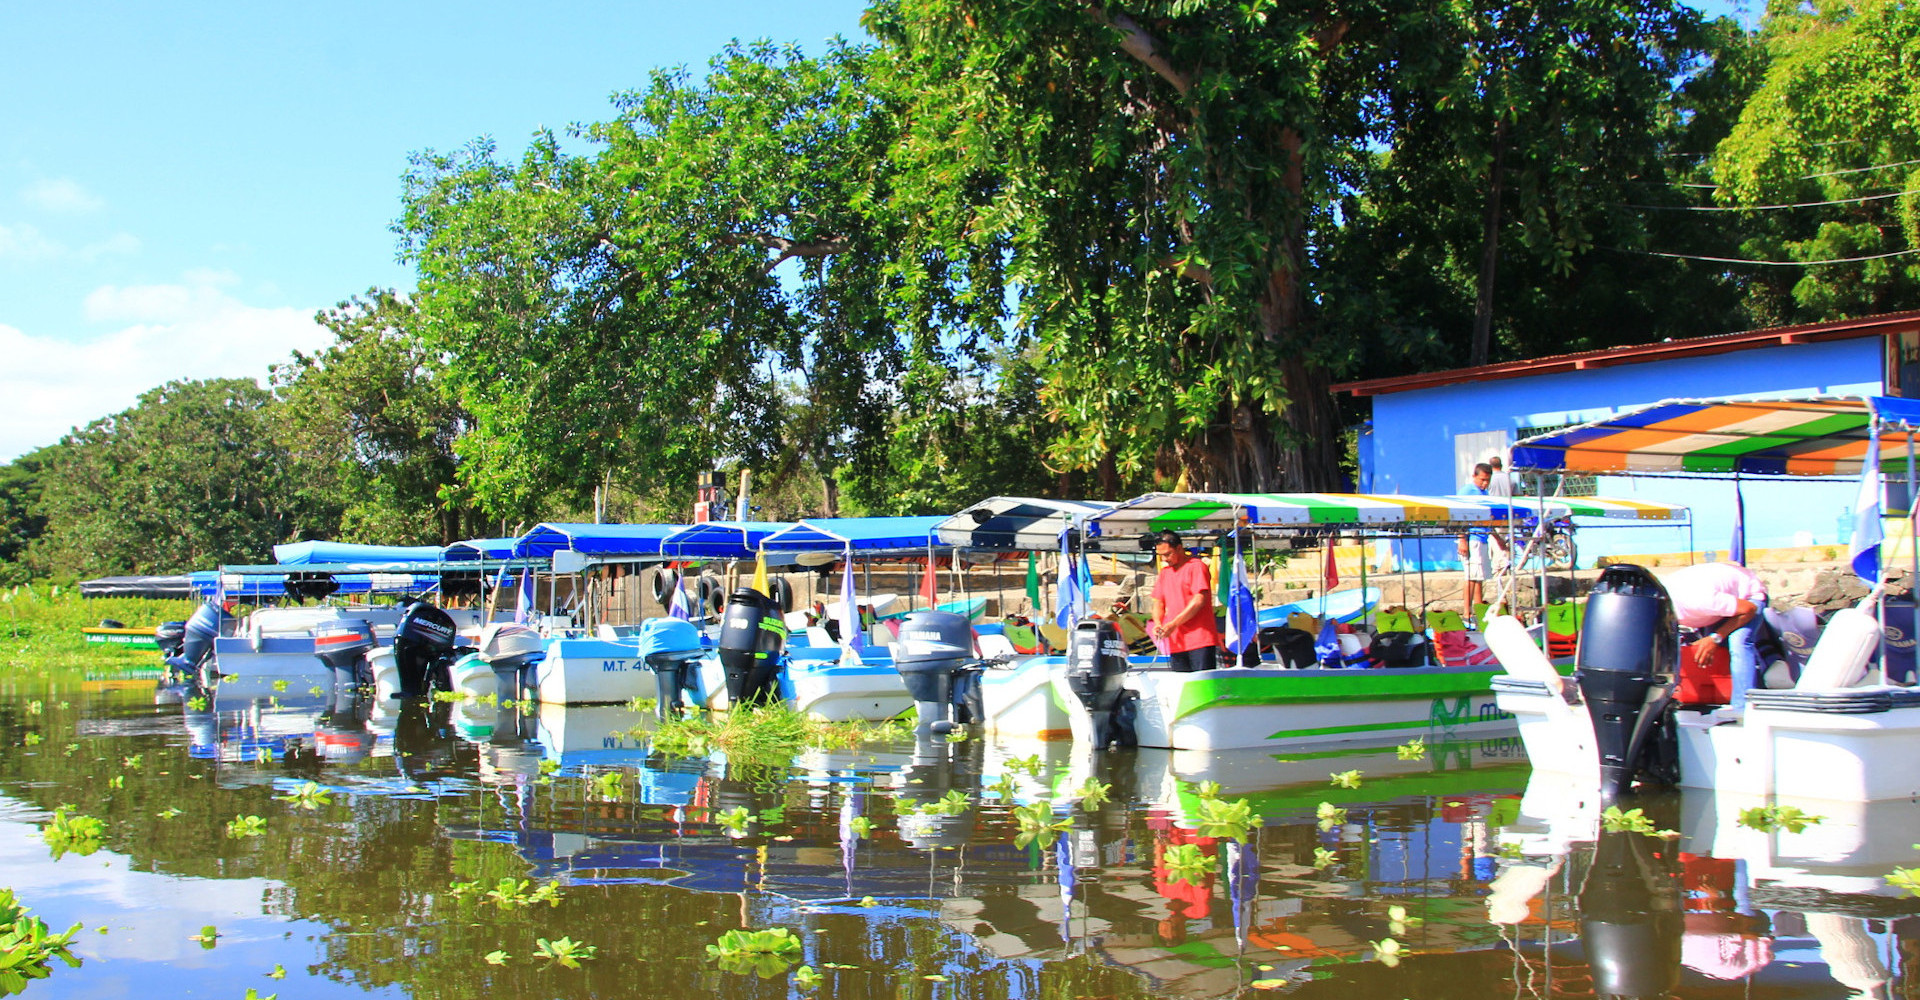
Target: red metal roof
[1811, 333]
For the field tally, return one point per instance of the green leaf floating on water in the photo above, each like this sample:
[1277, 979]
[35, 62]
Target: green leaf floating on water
[763, 953]
[1186, 863]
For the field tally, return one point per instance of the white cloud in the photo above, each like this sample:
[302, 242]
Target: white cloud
[60, 194]
[26, 243]
[190, 330]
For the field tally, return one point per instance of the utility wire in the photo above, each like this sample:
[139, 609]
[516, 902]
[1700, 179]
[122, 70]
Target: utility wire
[1814, 177]
[1769, 263]
[1762, 208]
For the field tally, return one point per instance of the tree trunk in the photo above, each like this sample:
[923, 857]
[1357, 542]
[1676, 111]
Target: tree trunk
[830, 500]
[1489, 253]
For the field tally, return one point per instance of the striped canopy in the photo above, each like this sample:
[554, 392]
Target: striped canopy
[1016, 523]
[1223, 511]
[1764, 437]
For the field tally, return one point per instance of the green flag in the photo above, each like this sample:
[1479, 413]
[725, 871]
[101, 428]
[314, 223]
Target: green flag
[1033, 581]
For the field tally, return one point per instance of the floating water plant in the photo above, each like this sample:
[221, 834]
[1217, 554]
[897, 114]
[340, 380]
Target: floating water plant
[805, 978]
[308, 796]
[1004, 788]
[1322, 857]
[1398, 921]
[953, 803]
[27, 948]
[168, 813]
[608, 785]
[33, 739]
[76, 834]
[197, 703]
[1094, 793]
[861, 826]
[953, 736]
[246, 826]
[1187, 863]
[1232, 820]
[117, 781]
[564, 951]
[766, 954]
[1413, 749]
[757, 735]
[497, 958]
[1905, 878]
[1631, 821]
[133, 761]
[1771, 818]
[734, 820]
[279, 971]
[1207, 789]
[207, 936]
[1346, 779]
[1388, 951]
[1037, 825]
[1330, 815]
[513, 893]
[280, 686]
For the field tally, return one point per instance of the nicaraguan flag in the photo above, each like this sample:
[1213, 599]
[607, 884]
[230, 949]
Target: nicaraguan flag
[523, 607]
[850, 636]
[1243, 620]
[1864, 553]
[678, 606]
[1737, 547]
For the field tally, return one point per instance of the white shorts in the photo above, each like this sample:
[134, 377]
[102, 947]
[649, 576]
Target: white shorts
[1479, 567]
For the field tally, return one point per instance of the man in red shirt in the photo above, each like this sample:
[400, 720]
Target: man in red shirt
[1183, 607]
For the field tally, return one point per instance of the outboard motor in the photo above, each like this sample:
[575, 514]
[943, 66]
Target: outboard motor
[752, 639]
[1096, 660]
[670, 648]
[932, 654]
[196, 639]
[423, 648]
[343, 646]
[168, 636]
[511, 650]
[1631, 917]
[1628, 649]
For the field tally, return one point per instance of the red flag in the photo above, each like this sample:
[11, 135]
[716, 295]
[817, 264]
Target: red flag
[1332, 575]
[929, 586]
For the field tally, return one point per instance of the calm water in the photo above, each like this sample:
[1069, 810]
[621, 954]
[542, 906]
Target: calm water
[353, 897]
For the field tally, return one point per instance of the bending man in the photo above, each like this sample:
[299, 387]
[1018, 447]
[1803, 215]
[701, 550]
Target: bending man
[1719, 601]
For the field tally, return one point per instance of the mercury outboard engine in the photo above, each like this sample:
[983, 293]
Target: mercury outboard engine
[343, 647]
[1629, 646]
[1096, 659]
[196, 640]
[670, 648]
[934, 655]
[752, 639]
[168, 636]
[1631, 917]
[423, 648]
[511, 649]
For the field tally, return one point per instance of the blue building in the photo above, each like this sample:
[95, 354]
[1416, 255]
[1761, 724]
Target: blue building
[1429, 430]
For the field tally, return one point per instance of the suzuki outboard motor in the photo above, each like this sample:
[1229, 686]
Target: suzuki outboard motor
[343, 647]
[1632, 918]
[1628, 649]
[932, 653]
[1096, 659]
[196, 640]
[511, 650]
[168, 636]
[752, 639]
[423, 648]
[670, 648]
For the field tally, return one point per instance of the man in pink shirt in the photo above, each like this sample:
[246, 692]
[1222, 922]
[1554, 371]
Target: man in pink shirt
[1720, 600]
[1183, 607]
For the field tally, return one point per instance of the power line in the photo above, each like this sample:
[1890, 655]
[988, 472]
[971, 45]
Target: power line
[1768, 263]
[1763, 208]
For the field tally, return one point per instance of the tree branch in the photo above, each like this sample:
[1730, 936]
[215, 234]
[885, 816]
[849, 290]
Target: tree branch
[1136, 42]
[789, 249]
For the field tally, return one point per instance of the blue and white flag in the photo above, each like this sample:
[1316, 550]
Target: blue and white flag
[1243, 620]
[523, 612]
[1737, 547]
[850, 614]
[1326, 646]
[1076, 586]
[1864, 553]
[678, 606]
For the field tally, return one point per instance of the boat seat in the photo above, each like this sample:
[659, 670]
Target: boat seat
[796, 621]
[1055, 635]
[1396, 620]
[1440, 622]
[995, 645]
[817, 635]
[615, 633]
[1856, 701]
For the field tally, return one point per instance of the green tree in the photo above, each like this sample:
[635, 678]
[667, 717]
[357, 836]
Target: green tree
[189, 478]
[21, 520]
[371, 428]
[1834, 127]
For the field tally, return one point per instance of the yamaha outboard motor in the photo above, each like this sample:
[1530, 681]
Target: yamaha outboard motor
[670, 648]
[197, 635]
[752, 639]
[1096, 659]
[511, 650]
[1629, 646]
[933, 654]
[423, 648]
[168, 636]
[1631, 917]
[343, 647]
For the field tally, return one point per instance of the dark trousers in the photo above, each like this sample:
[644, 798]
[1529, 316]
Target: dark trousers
[1187, 662]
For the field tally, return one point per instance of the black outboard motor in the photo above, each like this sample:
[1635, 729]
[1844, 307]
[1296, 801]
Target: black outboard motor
[423, 648]
[933, 654]
[168, 636]
[1631, 917]
[752, 639]
[343, 647]
[670, 648]
[1096, 659]
[196, 639]
[1629, 647]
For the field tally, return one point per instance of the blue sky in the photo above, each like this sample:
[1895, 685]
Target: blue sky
[183, 186]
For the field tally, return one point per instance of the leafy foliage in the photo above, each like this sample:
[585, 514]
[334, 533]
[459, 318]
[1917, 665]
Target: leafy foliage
[766, 954]
[27, 947]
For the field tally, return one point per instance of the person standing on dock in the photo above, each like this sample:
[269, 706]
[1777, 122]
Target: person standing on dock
[1474, 557]
[1183, 607]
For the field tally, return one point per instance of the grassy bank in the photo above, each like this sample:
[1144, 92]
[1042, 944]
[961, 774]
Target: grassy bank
[40, 629]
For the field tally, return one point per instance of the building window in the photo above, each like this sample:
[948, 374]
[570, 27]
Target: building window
[1557, 484]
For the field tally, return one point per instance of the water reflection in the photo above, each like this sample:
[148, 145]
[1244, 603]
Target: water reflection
[897, 862]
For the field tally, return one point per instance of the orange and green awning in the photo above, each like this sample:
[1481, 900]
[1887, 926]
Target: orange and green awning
[1226, 511]
[1768, 437]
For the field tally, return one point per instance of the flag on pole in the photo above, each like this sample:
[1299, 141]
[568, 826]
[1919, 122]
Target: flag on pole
[1068, 610]
[1243, 621]
[760, 576]
[679, 607]
[1737, 547]
[1864, 553]
[1033, 581]
[850, 636]
[929, 585]
[523, 612]
[1330, 577]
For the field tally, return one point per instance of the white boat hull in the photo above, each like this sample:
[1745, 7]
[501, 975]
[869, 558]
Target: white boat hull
[592, 672]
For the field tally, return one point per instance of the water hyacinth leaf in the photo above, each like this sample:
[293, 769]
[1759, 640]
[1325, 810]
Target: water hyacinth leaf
[763, 953]
[1413, 749]
[1346, 779]
[1187, 863]
[498, 958]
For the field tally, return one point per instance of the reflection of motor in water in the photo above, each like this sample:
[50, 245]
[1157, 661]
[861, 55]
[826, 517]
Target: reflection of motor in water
[424, 745]
[1631, 920]
[937, 768]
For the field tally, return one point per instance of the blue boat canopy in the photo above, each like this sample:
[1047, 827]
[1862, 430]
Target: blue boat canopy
[479, 548]
[594, 539]
[302, 553]
[1016, 523]
[861, 534]
[720, 539]
[207, 583]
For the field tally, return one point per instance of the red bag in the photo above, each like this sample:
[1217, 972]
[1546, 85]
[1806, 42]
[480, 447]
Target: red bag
[1711, 685]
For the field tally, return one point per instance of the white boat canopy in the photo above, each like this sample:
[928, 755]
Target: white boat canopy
[1016, 523]
[1193, 512]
